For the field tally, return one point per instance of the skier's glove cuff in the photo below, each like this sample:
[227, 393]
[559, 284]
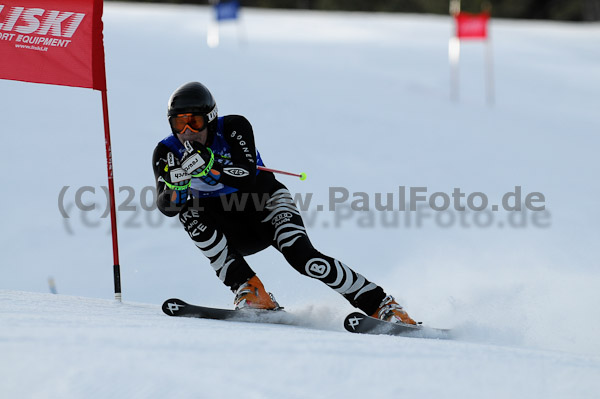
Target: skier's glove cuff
[179, 197]
[211, 177]
[181, 186]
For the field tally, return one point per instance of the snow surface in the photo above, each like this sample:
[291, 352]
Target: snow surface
[59, 346]
[319, 89]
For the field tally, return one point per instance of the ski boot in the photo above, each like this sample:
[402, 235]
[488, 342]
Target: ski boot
[389, 310]
[252, 295]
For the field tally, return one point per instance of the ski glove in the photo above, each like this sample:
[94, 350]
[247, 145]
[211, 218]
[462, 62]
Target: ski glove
[176, 179]
[198, 161]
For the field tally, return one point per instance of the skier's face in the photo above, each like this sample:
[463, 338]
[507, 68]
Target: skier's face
[188, 134]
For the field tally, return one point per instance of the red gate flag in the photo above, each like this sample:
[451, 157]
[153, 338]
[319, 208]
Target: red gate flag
[59, 42]
[56, 42]
[471, 26]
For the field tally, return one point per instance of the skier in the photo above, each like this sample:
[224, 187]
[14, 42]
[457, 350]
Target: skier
[206, 173]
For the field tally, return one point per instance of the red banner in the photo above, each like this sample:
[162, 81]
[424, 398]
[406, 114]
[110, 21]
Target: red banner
[471, 26]
[52, 41]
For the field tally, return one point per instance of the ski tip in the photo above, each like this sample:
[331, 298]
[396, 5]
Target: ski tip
[353, 320]
[173, 306]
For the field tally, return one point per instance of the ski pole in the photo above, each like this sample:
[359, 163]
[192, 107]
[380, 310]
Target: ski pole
[302, 175]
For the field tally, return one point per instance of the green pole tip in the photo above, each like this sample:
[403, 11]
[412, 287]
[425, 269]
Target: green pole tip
[302, 176]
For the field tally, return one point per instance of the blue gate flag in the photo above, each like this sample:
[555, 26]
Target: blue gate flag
[227, 10]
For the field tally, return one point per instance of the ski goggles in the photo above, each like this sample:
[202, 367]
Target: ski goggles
[196, 122]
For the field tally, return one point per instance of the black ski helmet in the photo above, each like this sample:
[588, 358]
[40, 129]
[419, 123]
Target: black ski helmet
[194, 97]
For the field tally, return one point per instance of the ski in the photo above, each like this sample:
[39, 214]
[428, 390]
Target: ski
[355, 322]
[178, 308]
[361, 324]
